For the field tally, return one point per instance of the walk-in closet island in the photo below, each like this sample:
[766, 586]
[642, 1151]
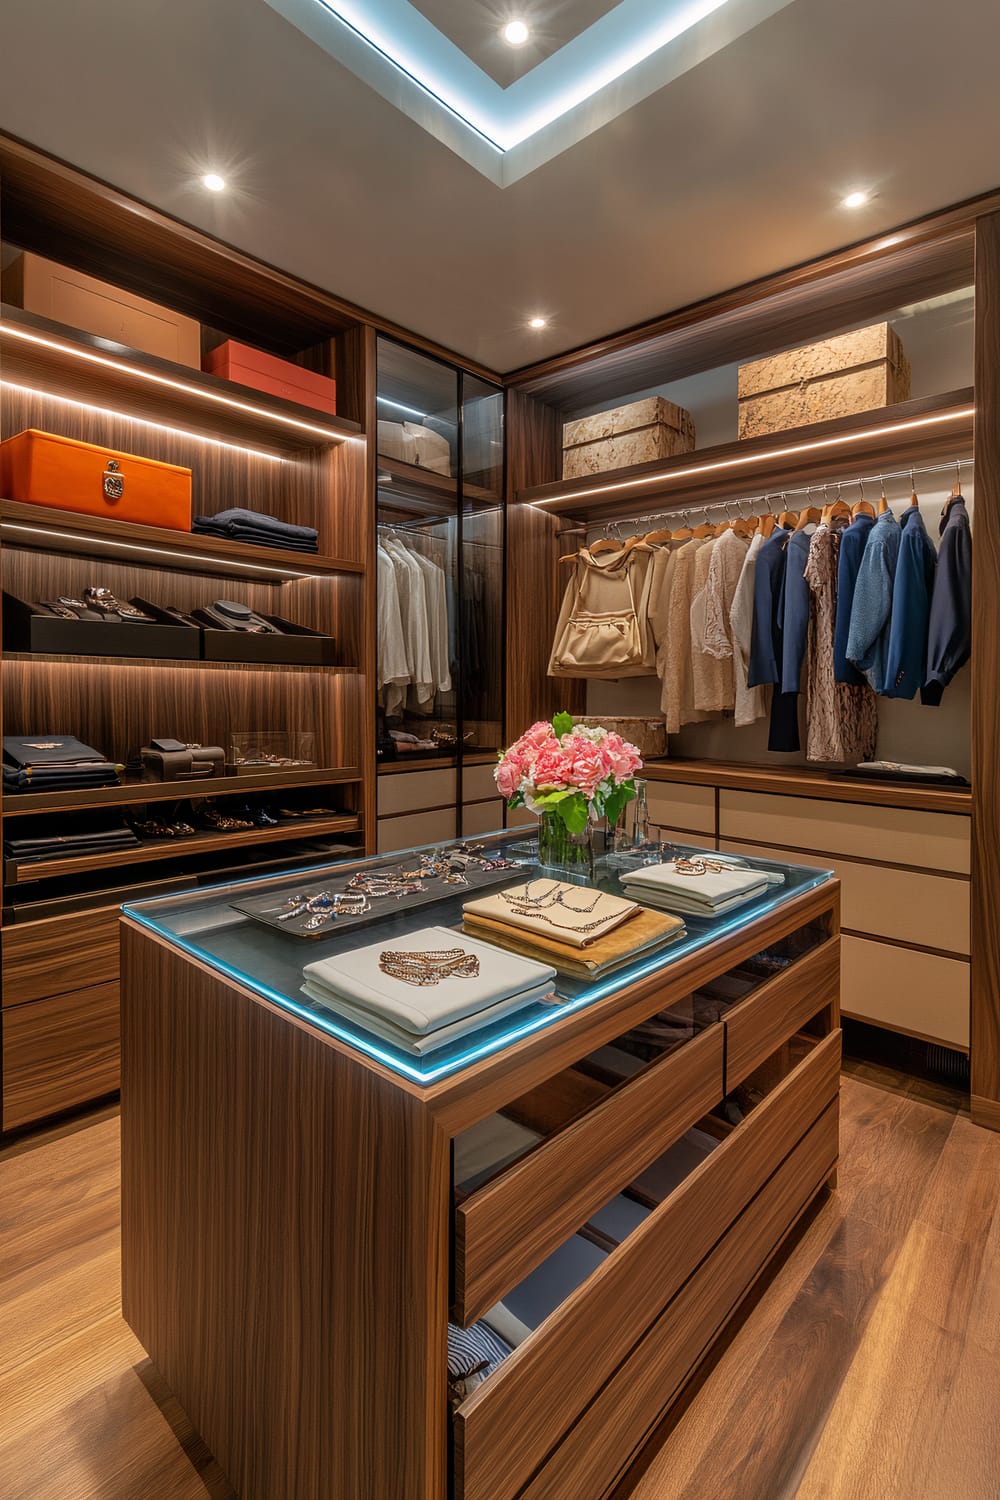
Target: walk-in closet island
[365, 1259]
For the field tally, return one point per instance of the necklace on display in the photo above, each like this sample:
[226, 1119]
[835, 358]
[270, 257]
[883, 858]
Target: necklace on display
[430, 966]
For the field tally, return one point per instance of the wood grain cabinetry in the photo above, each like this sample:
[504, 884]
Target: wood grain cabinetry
[345, 1171]
[59, 1053]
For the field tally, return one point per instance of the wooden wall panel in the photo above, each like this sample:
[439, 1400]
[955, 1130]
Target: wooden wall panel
[986, 685]
[535, 582]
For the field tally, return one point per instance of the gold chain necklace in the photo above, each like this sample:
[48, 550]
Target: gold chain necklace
[430, 966]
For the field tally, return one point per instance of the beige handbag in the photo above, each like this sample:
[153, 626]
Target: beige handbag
[607, 641]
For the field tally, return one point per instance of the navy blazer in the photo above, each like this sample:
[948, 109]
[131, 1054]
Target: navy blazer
[852, 546]
[949, 629]
[913, 585]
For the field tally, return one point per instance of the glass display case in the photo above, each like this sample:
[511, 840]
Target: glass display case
[242, 930]
[440, 525]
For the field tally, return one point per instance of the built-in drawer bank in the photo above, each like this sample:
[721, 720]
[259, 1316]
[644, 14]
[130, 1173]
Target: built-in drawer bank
[59, 1053]
[59, 954]
[595, 1329]
[610, 1433]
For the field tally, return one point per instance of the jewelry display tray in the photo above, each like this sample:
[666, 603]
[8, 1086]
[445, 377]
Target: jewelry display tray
[26, 630]
[263, 909]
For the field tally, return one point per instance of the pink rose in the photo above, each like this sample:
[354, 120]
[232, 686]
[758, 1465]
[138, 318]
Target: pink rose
[508, 777]
[586, 768]
[550, 768]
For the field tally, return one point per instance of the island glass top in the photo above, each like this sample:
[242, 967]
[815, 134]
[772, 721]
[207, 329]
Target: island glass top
[269, 961]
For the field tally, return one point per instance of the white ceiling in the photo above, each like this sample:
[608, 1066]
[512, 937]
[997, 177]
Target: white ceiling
[732, 171]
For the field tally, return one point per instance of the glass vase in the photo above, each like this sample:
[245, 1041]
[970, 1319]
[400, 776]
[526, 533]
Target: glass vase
[558, 849]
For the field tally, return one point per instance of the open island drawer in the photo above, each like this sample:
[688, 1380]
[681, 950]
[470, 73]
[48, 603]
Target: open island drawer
[715, 1195]
[534, 1173]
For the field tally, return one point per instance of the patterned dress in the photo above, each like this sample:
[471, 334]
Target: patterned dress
[842, 718]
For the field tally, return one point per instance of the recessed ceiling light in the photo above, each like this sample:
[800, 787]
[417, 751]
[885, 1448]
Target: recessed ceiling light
[515, 33]
[855, 200]
[537, 322]
[213, 182]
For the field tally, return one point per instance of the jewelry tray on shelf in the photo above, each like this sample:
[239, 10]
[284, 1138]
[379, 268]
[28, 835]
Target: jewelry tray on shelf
[266, 909]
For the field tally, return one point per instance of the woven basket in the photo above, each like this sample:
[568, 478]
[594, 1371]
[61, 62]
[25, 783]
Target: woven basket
[649, 736]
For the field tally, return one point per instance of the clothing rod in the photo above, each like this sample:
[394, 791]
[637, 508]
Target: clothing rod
[955, 466]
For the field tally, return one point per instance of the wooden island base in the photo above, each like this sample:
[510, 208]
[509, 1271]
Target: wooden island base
[293, 1245]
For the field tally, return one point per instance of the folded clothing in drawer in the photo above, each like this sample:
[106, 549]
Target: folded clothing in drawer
[427, 989]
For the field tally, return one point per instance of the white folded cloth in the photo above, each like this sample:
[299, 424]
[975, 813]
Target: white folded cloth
[707, 894]
[417, 1010]
[409, 1041]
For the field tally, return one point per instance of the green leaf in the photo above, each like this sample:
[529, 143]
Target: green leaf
[562, 724]
[617, 799]
[575, 813]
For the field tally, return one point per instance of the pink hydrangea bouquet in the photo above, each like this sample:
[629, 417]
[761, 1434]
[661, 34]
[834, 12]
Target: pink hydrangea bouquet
[580, 773]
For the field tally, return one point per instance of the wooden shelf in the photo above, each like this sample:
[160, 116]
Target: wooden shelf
[803, 781]
[891, 437]
[426, 485]
[166, 664]
[65, 362]
[22, 872]
[47, 529]
[21, 804]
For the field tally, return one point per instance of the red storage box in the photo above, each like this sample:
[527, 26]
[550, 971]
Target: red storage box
[44, 469]
[277, 377]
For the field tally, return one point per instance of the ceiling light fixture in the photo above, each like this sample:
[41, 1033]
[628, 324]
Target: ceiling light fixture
[538, 322]
[856, 199]
[213, 182]
[515, 33]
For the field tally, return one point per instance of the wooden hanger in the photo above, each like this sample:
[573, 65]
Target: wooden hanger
[657, 538]
[883, 504]
[767, 524]
[787, 518]
[837, 509]
[913, 497]
[604, 545]
[863, 507]
[811, 516]
[705, 529]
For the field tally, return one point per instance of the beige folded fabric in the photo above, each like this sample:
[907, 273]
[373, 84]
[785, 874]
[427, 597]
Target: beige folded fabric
[641, 935]
[555, 911]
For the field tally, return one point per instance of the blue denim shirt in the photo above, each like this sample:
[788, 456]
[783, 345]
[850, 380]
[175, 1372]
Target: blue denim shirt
[871, 608]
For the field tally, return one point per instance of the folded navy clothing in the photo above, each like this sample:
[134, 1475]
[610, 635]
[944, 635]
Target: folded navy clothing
[256, 521]
[95, 773]
[49, 750]
[258, 538]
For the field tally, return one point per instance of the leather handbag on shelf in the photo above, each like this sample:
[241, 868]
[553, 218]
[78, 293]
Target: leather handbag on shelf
[600, 632]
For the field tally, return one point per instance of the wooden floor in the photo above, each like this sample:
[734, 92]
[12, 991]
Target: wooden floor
[868, 1368]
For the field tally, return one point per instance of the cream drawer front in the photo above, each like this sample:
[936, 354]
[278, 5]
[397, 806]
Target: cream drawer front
[417, 829]
[914, 992]
[672, 804]
[478, 783]
[931, 841]
[411, 790]
[481, 817]
[521, 817]
[929, 910]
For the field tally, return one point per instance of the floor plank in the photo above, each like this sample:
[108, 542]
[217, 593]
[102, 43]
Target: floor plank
[865, 1369]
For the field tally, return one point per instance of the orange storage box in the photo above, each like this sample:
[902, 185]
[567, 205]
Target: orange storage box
[44, 469]
[277, 377]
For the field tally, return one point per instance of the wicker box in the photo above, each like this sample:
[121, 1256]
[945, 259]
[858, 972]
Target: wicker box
[649, 736]
[853, 372]
[632, 434]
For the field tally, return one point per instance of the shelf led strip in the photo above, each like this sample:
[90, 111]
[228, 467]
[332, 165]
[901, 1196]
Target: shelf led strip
[793, 450]
[124, 416]
[201, 393]
[221, 565]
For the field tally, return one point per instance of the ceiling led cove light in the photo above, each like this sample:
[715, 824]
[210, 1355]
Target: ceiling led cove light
[515, 33]
[627, 54]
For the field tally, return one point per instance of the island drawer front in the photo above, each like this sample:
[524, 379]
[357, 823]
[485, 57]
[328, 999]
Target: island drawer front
[540, 1390]
[503, 1231]
[675, 805]
[772, 1014]
[611, 1432]
[413, 791]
